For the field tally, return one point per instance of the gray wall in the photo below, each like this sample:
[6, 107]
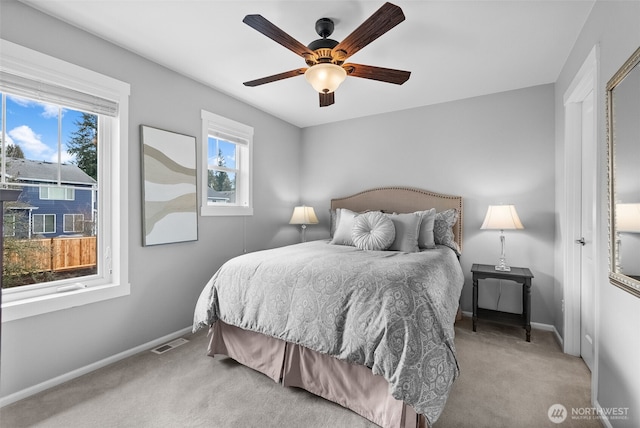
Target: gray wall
[493, 149]
[165, 280]
[613, 25]
[490, 150]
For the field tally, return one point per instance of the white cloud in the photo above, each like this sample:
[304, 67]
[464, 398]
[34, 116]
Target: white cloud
[29, 142]
[23, 102]
[9, 140]
[49, 111]
[65, 157]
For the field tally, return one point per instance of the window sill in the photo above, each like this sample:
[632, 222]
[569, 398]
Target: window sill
[211, 210]
[12, 311]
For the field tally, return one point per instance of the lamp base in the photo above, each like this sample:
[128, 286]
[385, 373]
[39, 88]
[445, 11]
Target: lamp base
[502, 261]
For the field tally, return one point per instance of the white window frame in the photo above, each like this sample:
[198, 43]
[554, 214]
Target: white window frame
[11, 232]
[44, 223]
[72, 217]
[112, 281]
[241, 135]
[69, 193]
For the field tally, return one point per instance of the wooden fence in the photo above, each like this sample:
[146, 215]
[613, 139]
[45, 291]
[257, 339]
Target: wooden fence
[57, 254]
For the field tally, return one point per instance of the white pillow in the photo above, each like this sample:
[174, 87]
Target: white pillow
[344, 224]
[373, 231]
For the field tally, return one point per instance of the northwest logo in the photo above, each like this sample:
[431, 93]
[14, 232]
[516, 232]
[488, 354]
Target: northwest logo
[557, 413]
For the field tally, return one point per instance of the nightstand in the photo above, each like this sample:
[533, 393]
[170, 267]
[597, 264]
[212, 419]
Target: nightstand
[519, 275]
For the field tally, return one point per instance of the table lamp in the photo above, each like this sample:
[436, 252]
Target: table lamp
[627, 221]
[303, 215]
[628, 218]
[502, 217]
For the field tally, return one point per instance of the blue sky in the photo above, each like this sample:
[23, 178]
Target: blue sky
[34, 127]
[228, 152]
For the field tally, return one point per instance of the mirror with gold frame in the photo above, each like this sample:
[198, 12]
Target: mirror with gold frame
[623, 138]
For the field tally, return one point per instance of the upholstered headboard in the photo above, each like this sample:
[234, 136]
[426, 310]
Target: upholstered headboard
[403, 200]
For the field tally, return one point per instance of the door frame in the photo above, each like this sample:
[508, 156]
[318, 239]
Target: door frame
[584, 82]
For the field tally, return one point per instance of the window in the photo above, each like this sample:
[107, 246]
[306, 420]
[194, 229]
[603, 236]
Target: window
[73, 223]
[58, 193]
[226, 155]
[46, 104]
[9, 225]
[222, 171]
[43, 223]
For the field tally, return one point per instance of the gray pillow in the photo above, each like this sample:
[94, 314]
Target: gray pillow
[443, 229]
[373, 231]
[426, 238]
[407, 227]
[344, 224]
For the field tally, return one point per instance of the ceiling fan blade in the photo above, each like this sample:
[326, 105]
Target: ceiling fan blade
[383, 20]
[327, 99]
[388, 75]
[261, 24]
[276, 77]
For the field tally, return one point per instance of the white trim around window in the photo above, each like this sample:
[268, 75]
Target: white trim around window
[57, 193]
[73, 223]
[242, 136]
[41, 221]
[113, 279]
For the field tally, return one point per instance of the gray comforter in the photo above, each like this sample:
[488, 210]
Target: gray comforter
[391, 311]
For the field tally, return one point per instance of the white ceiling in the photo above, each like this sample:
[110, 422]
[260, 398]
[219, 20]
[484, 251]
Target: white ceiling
[454, 49]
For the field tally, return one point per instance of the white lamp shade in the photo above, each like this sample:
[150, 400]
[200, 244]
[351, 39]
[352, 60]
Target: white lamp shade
[628, 218]
[303, 215]
[502, 217]
[325, 77]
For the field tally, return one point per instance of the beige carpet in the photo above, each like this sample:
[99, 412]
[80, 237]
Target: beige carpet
[504, 382]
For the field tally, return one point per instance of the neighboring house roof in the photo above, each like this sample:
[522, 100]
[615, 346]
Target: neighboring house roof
[19, 205]
[214, 194]
[19, 169]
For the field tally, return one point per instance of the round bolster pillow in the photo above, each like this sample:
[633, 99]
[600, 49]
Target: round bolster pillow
[373, 231]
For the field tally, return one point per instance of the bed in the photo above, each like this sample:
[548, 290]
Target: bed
[367, 327]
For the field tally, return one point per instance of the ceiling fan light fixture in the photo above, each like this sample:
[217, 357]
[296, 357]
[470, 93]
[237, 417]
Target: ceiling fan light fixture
[325, 77]
[325, 57]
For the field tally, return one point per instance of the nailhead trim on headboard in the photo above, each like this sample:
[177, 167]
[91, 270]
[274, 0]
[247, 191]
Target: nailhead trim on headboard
[403, 200]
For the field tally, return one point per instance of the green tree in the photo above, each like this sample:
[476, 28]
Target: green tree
[219, 180]
[14, 151]
[83, 144]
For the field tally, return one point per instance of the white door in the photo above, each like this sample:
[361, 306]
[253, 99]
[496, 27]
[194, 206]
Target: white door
[587, 256]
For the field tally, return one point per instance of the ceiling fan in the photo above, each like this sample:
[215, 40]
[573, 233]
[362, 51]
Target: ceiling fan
[325, 57]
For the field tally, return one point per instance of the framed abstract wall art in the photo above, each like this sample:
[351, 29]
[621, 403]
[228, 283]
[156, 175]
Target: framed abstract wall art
[169, 187]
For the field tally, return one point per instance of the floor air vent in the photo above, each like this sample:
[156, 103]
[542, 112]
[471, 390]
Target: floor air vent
[169, 346]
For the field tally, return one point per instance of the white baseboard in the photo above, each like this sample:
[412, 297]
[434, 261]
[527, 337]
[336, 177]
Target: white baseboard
[27, 392]
[551, 328]
[603, 419]
[535, 325]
